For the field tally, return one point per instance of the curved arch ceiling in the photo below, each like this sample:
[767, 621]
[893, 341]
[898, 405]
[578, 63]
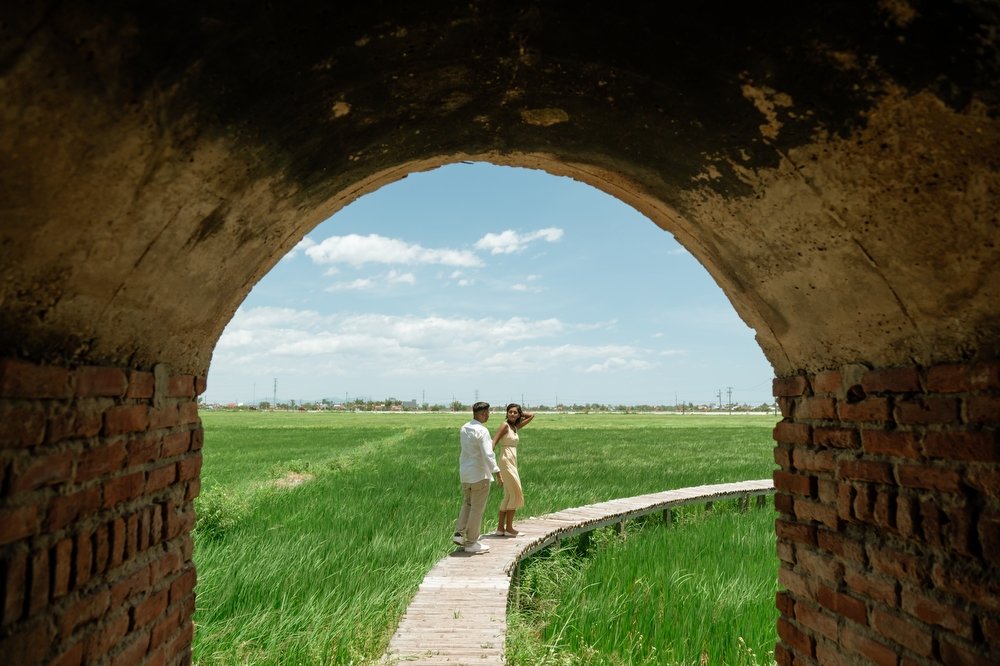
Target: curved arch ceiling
[834, 169]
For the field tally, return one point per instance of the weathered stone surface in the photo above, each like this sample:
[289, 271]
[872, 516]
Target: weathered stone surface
[834, 168]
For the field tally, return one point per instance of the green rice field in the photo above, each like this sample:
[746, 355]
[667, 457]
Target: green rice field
[315, 529]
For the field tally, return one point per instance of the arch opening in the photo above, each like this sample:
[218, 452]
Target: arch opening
[538, 327]
[511, 259]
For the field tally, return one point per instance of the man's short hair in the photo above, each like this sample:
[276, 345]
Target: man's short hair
[480, 407]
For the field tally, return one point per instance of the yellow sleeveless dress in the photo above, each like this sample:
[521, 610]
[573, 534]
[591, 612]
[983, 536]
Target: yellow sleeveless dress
[513, 496]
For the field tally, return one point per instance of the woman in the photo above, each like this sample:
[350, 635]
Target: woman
[513, 497]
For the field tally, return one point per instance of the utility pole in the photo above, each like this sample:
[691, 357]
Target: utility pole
[275, 405]
[729, 389]
[718, 394]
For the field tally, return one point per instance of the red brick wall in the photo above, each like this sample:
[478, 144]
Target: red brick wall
[889, 516]
[98, 470]
[888, 535]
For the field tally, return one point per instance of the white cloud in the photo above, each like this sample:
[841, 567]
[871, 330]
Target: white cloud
[525, 288]
[361, 284]
[352, 349]
[358, 250]
[586, 359]
[509, 241]
[249, 319]
[285, 331]
[395, 277]
[460, 279]
[301, 246]
[617, 363]
[408, 326]
[262, 337]
[354, 285]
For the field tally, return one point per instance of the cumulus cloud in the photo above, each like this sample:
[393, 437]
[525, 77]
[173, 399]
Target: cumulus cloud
[358, 250]
[395, 277]
[359, 284]
[459, 279]
[359, 349]
[510, 241]
[586, 359]
[301, 246]
[405, 345]
[264, 318]
[406, 328]
[617, 363]
[258, 333]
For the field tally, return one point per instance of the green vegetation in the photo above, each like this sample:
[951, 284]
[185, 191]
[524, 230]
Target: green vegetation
[315, 529]
[700, 591]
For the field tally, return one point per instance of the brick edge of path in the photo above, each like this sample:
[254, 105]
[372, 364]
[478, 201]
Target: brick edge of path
[459, 613]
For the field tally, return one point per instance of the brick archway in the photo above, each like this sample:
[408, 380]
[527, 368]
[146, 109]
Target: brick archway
[833, 168]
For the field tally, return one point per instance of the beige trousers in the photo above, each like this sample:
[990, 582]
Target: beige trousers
[470, 518]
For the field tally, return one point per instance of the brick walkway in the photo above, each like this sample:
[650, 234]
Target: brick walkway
[459, 614]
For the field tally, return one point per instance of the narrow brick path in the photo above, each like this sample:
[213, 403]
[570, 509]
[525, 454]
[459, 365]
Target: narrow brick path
[459, 614]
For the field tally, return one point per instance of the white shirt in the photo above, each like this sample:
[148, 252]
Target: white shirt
[476, 462]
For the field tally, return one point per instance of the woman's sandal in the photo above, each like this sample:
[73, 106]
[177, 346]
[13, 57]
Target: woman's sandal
[500, 533]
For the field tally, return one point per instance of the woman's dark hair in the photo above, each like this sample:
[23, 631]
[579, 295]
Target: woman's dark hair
[520, 413]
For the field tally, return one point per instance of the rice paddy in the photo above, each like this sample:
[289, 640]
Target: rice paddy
[315, 529]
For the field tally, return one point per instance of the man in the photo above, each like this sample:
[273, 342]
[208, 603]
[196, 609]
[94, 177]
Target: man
[476, 467]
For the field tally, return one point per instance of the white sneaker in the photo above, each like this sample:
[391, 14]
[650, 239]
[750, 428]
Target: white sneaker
[477, 548]
[459, 539]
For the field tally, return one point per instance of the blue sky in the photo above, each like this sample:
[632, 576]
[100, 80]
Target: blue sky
[500, 283]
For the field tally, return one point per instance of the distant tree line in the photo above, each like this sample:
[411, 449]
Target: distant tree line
[394, 404]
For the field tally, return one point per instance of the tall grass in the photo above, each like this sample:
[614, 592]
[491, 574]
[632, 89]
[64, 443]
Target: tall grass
[321, 572]
[698, 592]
